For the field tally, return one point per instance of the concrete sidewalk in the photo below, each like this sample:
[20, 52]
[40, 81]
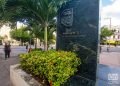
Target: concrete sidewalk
[110, 58]
[5, 69]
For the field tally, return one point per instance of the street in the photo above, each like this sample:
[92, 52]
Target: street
[110, 58]
[111, 48]
[15, 50]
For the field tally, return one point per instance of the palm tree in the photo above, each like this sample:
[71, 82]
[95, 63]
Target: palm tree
[45, 11]
[37, 32]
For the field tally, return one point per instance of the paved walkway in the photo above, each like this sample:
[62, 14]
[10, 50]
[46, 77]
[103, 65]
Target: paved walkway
[5, 69]
[5, 64]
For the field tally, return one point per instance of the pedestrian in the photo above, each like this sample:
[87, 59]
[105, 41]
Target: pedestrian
[115, 44]
[100, 49]
[107, 49]
[27, 47]
[7, 50]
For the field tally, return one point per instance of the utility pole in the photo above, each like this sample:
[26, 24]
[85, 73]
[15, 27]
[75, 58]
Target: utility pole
[110, 26]
[110, 23]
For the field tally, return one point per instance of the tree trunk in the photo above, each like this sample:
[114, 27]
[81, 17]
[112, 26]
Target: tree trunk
[20, 41]
[40, 43]
[36, 43]
[30, 42]
[45, 38]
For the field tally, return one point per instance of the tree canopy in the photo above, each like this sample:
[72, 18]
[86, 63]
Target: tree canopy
[106, 32]
[20, 34]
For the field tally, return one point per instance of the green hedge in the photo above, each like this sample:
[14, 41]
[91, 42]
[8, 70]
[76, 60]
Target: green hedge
[56, 66]
[115, 43]
[37, 49]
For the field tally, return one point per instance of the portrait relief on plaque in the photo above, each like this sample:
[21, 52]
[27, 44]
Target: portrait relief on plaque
[67, 17]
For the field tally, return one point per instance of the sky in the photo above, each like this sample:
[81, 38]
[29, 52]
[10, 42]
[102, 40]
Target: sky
[110, 9]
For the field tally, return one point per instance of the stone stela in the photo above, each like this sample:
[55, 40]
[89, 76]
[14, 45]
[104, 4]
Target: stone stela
[77, 31]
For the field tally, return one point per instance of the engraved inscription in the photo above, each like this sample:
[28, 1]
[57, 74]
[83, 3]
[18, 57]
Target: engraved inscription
[72, 34]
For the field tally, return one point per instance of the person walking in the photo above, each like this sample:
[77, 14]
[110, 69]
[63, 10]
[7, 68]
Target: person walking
[108, 49]
[27, 47]
[7, 50]
[100, 48]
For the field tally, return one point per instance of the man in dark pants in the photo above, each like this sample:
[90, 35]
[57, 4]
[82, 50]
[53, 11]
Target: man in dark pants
[7, 50]
[27, 47]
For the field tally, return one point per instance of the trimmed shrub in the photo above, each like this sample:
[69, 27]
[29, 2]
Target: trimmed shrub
[56, 66]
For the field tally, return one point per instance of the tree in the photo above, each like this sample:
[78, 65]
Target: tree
[20, 34]
[1, 37]
[45, 11]
[41, 11]
[10, 12]
[36, 32]
[105, 32]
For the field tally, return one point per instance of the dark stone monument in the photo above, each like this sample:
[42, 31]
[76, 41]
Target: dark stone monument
[77, 31]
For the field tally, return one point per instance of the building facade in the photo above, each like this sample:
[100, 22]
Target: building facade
[5, 36]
